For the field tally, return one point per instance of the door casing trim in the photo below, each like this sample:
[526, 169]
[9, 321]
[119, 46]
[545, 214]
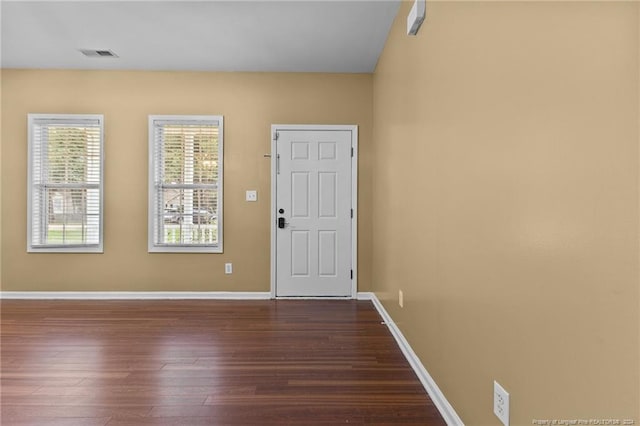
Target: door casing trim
[354, 195]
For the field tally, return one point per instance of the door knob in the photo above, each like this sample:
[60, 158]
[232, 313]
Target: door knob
[281, 222]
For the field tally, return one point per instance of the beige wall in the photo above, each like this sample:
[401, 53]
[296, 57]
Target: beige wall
[250, 103]
[506, 203]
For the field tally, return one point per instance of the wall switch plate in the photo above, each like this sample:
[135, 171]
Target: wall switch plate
[501, 403]
[252, 195]
[401, 298]
[228, 268]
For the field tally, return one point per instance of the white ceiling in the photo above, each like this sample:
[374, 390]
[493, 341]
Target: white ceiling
[290, 36]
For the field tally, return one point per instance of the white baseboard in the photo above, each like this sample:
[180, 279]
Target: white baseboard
[446, 410]
[149, 295]
[156, 295]
[365, 295]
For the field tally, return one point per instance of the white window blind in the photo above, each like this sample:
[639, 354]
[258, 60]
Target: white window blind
[65, 183]
[185, 183]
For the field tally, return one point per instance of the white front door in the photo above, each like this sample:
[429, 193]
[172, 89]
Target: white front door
[313, 211]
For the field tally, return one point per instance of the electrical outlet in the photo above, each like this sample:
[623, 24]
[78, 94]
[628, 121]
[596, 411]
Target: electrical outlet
[228, 268]
[401, 298]
[501, 403]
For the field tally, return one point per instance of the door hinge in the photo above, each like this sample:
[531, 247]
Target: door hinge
[352, 152]
[352, 274]
[351, 213]
[276, 135]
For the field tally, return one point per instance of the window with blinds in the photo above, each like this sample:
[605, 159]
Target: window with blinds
[65, 183]
[185, 183]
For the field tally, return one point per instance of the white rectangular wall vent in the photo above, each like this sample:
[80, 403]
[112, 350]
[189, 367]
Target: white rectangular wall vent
[416, 17]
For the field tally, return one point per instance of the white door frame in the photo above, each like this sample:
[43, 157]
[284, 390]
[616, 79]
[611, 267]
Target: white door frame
[354, 196]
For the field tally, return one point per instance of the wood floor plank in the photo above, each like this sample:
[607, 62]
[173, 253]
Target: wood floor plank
[126, 362]
[84, 411]
[57, 421]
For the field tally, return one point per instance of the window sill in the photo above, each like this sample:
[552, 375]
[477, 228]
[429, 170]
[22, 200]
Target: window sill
[74, 249]
[185, 249]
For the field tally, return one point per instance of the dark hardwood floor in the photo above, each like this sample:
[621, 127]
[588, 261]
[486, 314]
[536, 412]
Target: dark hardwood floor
[191, 363]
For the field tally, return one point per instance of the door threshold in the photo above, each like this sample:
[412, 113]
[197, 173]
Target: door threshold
[314, 298]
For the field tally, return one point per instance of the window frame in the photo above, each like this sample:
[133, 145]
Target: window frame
[154, 247]
[62, 248]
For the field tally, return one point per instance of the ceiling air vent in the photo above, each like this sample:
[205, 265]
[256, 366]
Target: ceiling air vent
[98, 53]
